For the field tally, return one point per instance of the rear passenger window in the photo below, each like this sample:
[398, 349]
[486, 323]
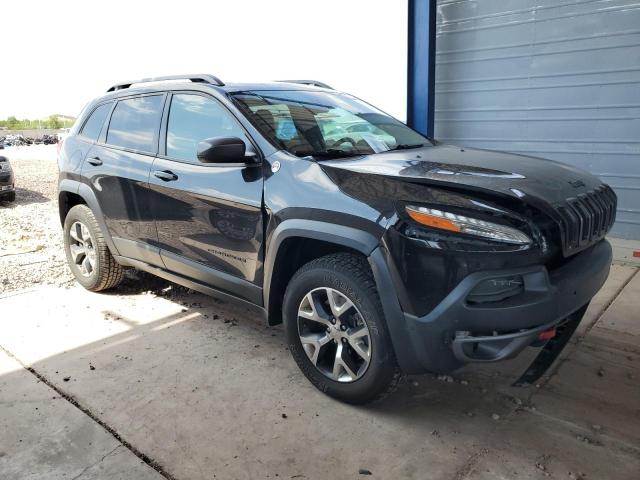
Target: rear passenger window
[93, 125]
[135, 123]
[193, 118]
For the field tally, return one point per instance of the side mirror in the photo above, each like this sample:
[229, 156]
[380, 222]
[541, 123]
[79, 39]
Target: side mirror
[222, 150]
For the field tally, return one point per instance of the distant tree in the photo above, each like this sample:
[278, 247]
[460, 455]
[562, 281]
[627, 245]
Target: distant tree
[54, 122]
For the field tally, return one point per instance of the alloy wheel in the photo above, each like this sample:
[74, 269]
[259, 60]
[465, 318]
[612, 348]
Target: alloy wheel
[334, 335]
[82, 248]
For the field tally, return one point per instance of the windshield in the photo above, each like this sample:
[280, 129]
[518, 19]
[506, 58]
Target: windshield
[324, 124]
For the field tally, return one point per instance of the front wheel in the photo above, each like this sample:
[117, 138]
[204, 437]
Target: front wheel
[336, 329]
[87, 252]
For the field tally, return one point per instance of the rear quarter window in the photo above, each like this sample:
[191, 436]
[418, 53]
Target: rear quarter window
[135, 123]
[93, 125]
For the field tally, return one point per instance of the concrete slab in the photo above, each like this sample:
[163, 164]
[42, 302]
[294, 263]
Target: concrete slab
[543, 446]
[45, 437]
[624, 250]
[618, 278]
[584, 422]
[599, 383]
[624, 315]
[205, 389]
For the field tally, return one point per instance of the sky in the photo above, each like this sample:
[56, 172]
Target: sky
[66, 53]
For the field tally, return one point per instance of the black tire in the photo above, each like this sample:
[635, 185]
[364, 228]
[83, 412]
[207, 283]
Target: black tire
[350, 275]
[107, 273]
[8, 197]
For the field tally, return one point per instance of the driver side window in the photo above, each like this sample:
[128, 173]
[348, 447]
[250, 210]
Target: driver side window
[193, 118]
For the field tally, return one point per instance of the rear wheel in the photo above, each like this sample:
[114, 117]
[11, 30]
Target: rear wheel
[336, 330]
[87, 253]
[8, 197]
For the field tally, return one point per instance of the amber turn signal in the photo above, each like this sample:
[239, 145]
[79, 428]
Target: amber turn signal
[432, 220]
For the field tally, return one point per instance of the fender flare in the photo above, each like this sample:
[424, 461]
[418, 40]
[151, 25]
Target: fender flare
[372, 248]
[343, 235]
[85, 192]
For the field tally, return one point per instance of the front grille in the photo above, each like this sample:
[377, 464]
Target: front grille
[586, 218]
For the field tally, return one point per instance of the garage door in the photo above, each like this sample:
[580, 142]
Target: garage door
[557, 79]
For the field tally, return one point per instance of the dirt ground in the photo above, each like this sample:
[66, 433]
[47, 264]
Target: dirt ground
[154, 381]
[30, 234]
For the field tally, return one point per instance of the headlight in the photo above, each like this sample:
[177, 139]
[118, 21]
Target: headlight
[452, 222]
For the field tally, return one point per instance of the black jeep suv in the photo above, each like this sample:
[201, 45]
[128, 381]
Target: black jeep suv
[382, 251]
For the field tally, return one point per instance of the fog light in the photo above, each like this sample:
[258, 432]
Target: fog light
[496, 289]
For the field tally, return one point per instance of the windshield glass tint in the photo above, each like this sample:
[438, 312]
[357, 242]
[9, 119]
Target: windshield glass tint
[325, 124]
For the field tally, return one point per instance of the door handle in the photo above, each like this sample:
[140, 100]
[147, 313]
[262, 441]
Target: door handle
[165, 175]
[95, 161]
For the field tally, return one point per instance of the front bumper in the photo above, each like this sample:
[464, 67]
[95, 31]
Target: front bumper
[457, 332]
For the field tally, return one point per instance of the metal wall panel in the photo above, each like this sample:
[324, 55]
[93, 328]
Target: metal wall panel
[558, 79]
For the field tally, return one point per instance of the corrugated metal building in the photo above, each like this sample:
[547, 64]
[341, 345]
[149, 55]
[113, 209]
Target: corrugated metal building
[558, 79]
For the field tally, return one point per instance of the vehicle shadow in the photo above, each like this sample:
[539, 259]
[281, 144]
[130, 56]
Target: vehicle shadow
[137, 281]
[25, 196]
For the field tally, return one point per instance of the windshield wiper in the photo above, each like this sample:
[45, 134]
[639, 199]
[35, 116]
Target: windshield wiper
[329, 153]
[406, 146]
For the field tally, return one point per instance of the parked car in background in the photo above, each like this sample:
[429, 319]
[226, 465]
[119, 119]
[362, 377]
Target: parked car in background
[383, 251]
[7, 181]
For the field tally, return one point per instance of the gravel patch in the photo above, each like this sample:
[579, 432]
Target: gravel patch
[31, 251]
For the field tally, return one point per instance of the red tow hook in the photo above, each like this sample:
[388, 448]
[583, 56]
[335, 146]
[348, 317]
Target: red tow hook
[547, 334]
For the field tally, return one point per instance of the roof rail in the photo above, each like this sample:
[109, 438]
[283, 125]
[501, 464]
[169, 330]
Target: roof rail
[315, 83]
[196, 78]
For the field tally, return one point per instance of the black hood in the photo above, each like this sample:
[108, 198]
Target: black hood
[527, 178]
[582, 207]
